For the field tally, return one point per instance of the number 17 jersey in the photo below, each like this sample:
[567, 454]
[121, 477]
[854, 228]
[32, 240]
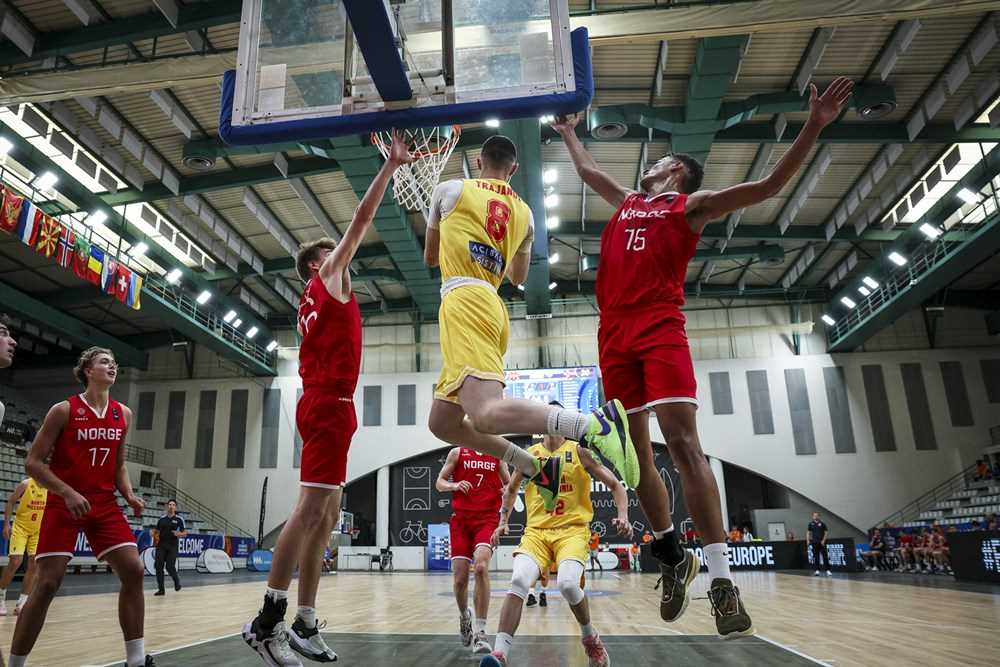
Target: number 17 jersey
[86, 454]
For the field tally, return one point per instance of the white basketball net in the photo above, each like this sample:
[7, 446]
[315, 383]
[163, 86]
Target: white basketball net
[414, 183]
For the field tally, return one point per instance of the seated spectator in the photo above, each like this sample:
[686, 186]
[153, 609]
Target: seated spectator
[735, 535]
[976, 526]
[889, 560]
[904, 552]
[873, 556]
[923, 551]
[940, 552]
[983, 471]
[747, 535]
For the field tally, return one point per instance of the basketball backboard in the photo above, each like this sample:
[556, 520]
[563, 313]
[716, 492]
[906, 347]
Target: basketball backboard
[321, 68]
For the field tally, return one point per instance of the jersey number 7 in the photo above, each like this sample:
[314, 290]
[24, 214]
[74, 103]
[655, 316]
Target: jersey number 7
[497, 218]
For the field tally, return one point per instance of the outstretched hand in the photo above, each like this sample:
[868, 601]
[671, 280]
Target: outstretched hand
[399, 152]
[826, 108]
[566, 123]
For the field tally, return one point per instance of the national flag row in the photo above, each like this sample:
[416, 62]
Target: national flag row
[50, 238]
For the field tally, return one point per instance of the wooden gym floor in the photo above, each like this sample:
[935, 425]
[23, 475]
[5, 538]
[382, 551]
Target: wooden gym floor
[410, 619]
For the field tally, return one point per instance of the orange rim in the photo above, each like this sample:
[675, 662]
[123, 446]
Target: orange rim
[378, 139]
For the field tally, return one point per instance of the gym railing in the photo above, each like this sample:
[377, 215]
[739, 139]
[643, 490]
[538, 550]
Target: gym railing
[195, 506]
[943, 491]
[139, 455]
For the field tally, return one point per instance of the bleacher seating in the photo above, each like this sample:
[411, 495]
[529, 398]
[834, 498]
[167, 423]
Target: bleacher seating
[12, 472]
[963, 507]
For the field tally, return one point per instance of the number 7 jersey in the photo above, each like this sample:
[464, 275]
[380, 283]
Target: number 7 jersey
[645, 250]
[483, 231]
[482, 471]
[86, 453]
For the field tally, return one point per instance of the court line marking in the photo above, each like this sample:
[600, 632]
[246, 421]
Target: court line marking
[791, 650]
[117, 663]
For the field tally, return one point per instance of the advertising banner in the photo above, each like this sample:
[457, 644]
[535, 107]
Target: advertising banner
[438, 547]
[976, 556]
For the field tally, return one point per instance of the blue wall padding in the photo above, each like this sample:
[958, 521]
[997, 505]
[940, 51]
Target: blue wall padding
[453, 114]
[373, 33]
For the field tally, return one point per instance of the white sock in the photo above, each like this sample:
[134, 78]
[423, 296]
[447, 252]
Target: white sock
[480, 625]
[520, 459]
[717, 559]
[567, 423]
[275, 594]
[587, 630]
[135, 653]
[501, 645]
[21, 600]
[17, 660]
[308, 616]
[660, 533]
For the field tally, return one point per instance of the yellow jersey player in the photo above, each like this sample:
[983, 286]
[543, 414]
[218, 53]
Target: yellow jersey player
[23, 537]
[480, 231]
[558, 536]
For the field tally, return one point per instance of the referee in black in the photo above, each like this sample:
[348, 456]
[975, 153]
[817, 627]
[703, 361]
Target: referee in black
[816, 538]
[169, 528]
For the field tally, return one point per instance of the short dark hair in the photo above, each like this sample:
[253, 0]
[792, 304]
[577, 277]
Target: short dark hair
[310, 252]
[172, 500]
[499, 151]
[696, 172]
[557, 404]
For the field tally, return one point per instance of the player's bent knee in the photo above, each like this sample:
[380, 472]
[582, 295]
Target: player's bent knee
[524, 575]
[571, 590]
[482, 569]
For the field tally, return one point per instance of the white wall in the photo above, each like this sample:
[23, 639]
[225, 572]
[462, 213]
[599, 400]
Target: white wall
[861, 487]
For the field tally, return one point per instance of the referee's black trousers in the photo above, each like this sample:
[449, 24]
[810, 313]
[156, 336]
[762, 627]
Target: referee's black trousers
[167, 555]
[819, 553]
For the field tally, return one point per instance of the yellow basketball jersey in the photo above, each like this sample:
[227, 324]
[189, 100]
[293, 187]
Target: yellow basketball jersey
[484, 230]
[573, 507]
[29, 510]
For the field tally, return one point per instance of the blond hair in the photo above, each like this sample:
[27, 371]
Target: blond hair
[310, 252]
[86, 361]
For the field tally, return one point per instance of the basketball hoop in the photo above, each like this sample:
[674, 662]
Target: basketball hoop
[414, 183]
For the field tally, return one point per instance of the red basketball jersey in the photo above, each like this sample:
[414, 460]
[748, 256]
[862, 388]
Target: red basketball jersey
[483, 473]
[330, 352]
[86, 452]
[645, 250]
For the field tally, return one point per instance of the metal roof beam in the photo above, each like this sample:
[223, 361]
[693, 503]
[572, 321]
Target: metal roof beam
[224, 180]
[16, 28]
[120, 32]
[76, 331]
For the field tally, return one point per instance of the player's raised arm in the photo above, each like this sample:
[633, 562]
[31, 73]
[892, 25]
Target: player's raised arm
[618, 491]
[705, 206]
[600, 182]
[333, 271]
[432, 238]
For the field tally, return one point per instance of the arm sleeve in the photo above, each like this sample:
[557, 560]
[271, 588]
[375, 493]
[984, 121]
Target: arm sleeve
[443, 201]
[183, 523]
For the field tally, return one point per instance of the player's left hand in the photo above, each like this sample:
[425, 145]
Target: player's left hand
[826, 108]
[137, 504]
[500, 531]
[399, 152]
[623, 526]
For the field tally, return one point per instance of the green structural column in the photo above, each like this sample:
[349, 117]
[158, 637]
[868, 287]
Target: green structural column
[527, 182]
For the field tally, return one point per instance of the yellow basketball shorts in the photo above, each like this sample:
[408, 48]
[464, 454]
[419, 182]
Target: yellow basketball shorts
[473, 330]
[23, 540]
[551, 546]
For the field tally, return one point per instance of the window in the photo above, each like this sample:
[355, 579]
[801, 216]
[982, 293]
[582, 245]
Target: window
[175, 420]
[406, 405]
[269, 428]
[147, 404]
[236, 451]
[372, 409]
[206, 430]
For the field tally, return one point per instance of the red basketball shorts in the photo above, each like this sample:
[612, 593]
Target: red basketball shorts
[645, 359]
[326, 422]
[105, 527]
[471, 530]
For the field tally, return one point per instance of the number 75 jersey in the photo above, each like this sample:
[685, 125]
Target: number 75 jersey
[645, 250]
[86, 452]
